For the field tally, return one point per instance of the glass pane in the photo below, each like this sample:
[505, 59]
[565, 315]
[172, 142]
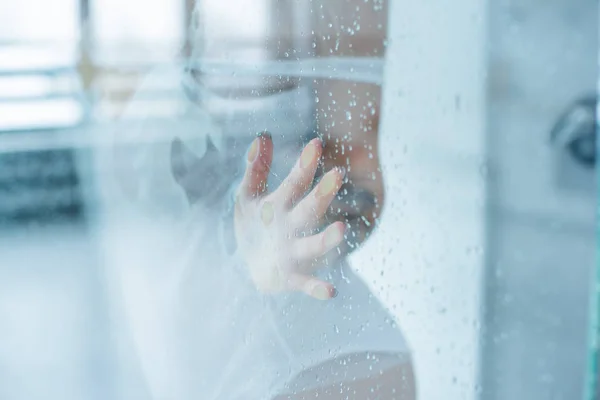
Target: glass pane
[298, 199]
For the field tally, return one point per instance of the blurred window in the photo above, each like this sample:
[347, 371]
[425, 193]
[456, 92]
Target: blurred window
[38, 56]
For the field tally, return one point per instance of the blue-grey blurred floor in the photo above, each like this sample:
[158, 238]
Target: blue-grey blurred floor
[54, 341]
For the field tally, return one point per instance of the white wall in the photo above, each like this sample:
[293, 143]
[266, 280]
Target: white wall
[431, 240]
[542, 241]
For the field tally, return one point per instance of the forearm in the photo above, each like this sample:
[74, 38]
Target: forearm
[348, 116]
[360, 200]
[350, 131]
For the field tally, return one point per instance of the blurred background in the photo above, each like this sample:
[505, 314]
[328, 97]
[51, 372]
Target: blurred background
[68, 67]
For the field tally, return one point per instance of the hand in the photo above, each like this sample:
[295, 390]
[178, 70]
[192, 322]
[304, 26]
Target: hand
[275, 231]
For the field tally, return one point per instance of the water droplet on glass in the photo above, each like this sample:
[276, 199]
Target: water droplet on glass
[348, 115]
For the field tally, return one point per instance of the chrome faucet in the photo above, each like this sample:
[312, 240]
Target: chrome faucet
[577, 130]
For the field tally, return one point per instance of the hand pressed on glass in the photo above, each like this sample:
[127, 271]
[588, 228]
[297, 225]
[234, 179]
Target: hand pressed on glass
[275, 231]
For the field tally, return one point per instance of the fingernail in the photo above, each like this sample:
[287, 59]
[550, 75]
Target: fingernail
[320, 292]
[267, 213]
[253, 151]
[308, 155]
[327, 184]
[333, 237]
[265, 134]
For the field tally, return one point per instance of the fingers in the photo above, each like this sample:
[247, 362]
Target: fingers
[300, 178]
[259, 160]
[312, 286]
[310, 211]
[315, 246]
[254, 184]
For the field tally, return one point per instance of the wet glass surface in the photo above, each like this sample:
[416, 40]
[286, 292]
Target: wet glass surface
[453, 258]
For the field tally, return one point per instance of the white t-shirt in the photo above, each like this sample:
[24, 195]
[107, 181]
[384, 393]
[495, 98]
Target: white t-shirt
[198, 326]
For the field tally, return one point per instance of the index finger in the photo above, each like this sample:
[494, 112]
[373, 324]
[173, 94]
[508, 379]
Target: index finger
[259, 158]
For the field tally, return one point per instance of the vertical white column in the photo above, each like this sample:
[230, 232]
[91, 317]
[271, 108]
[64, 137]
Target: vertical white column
[426, 260]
